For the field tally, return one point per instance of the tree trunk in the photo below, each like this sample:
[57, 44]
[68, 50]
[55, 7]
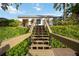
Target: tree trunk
[65, 8]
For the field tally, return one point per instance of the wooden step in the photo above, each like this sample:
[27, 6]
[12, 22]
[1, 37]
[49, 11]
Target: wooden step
[46, 52]
[39, 30]
[40, 35]
[39, 39]
[41, 47]
[40, 42]
[33, 37]
[38, 46]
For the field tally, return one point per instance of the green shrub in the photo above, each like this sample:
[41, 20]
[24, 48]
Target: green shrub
[19, 50]
[68, 21]
[71, 31]
[57, 44]
[13, 23]
[9, 22]
[9, 32]
[4, 22]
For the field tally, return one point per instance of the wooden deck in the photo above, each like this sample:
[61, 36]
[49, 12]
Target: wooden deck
[52, 52]
[63, 52]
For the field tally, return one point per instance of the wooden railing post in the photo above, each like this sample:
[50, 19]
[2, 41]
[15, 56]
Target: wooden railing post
[50, 39]
[0, 42]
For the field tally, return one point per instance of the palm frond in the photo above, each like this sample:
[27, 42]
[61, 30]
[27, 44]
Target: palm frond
[55, 5]
[4, 6]
[17, 5]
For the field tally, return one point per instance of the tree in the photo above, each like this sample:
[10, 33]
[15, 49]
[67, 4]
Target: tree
[9, 22]
[74, 9]
[14, 23]
[5, 6]
[60, 6]
[4, 22]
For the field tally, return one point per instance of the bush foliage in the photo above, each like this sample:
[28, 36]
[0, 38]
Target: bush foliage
[8, 32]
[71, 31]
[9, 22]
[19, 50]
[57, 44]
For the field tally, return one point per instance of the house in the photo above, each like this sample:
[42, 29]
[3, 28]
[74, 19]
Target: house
[28, 20]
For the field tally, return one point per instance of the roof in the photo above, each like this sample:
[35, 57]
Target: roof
[37, 16]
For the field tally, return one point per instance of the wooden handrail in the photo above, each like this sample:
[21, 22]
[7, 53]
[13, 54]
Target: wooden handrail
[48, 27]
[49, 31]
[69, 42]
[32, 26]
[10, 43]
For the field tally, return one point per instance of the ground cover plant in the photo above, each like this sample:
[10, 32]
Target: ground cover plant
[19, 50]
[9, 32]
[71, 31]
[57, 44]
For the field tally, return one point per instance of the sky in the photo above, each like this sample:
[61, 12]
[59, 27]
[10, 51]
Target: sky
[27, 9]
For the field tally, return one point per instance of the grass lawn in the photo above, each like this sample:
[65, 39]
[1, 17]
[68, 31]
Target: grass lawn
[9, 32]
[71, 31]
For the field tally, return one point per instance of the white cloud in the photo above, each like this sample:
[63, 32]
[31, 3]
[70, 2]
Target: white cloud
[38, 8]
[0, 5]
[13, 10]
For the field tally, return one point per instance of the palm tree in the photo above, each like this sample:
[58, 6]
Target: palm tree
[60, 6]
[75, 10]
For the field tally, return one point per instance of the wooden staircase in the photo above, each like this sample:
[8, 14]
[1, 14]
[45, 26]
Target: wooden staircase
[40, 42]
